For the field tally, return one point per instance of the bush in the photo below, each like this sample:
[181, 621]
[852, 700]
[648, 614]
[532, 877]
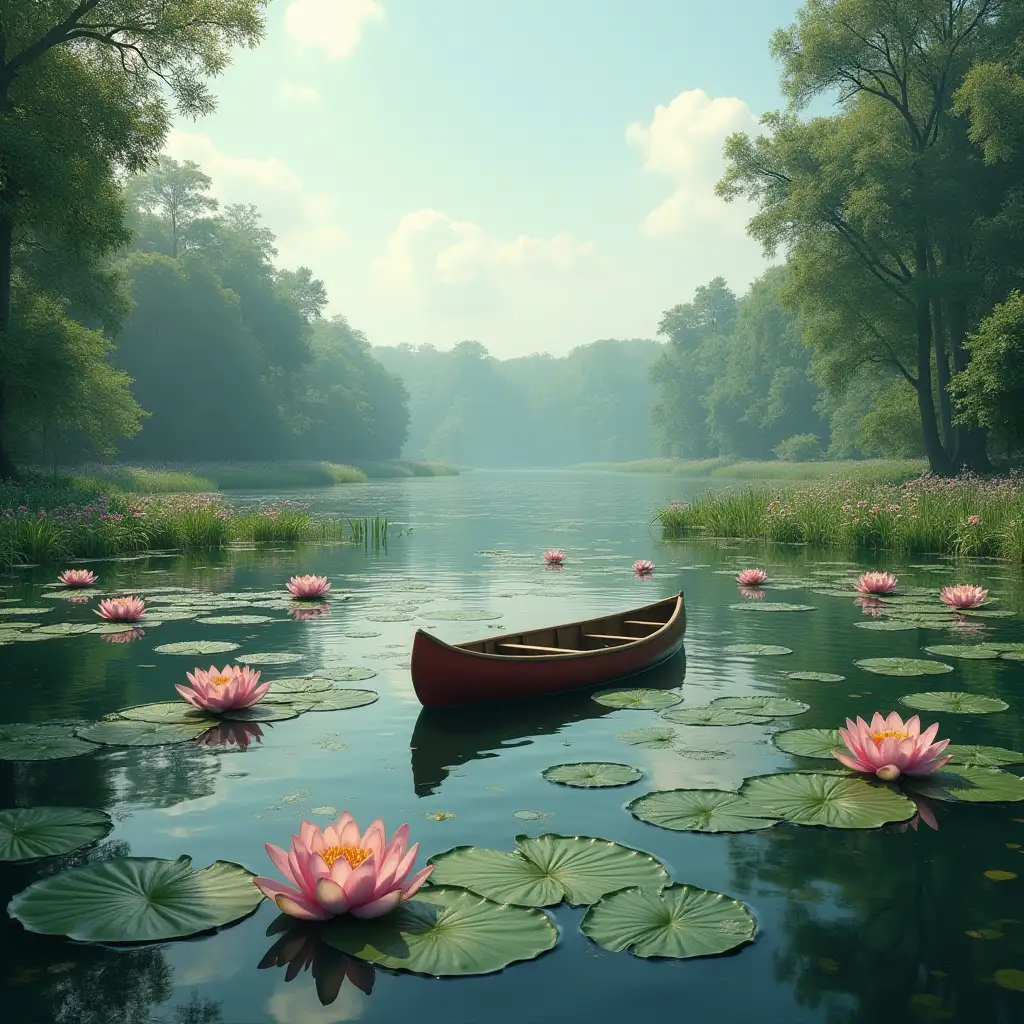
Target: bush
[799, 448]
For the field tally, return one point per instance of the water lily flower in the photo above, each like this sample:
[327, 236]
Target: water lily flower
[752, 593]
[876, 583]
[964, 595]
[890, 747]
[312, 612]
[127, 637]
[338, 871]
[751, 577]
[225, 690]
[870, 605]
[76, 578]
[554, 557]
[122, 609]
[308, 588]
[643, 567]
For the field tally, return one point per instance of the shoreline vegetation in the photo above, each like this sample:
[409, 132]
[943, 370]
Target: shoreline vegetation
[864, 470]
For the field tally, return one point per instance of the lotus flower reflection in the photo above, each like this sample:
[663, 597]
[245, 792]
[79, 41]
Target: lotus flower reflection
[230, 734]
[308, 588]
[642, 567]
[876, 583]
[890, 747]
[924, 813]
[870, 605]
[310, 612]
[77, 578]
[127, 637]
[338, 871]
[752, 593]
[554, 557]
[223, 690]
[122, 609]
[751, 577]
[963, 596]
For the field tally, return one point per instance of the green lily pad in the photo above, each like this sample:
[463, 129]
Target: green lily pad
[763, 707]
[903, 666]
[30, 832]
[347, 673]
[200, 648]
[1004, 647]
[124, 732]
[810, 742]
[986, 613]
[712, 716]
[832, 801]
[337, 699]
[460, 615]
[23, 741]
[975, 652]
[360, 634]
[652, 737]
[112, 628]
[65, 629]
[264, 713]
[136, 899]
[699, 810]
[887, 625]
[445, 932]
[680, 922]
[299, 686]
[955, 701]
[985, 757]
[387, 617]
[268, 658]
[816, 677]
[235, 620]
[593, 774]
[771, 606]
[26, 611]
[549, 869]
[762, 649]
[172, 712]
[637, 700]
[968, 783]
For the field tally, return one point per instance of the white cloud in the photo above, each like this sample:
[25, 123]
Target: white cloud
[334, 26]
[294, 93]
[298, 1004]
[683, 143]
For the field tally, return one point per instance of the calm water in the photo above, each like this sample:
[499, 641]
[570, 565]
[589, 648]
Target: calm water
[888, 925]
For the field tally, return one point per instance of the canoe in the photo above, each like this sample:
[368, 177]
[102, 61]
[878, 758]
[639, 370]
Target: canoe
[553, 659]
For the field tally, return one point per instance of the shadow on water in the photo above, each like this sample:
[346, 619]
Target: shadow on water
[446, 738]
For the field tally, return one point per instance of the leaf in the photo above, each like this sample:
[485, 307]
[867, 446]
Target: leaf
[337, 699]
[459, 615]
[968, 783]
[637, 700]
[66, 629]
[954, 701]
[126, 733]
[903, 666]
[771, 606]
[712, 716]
[977, 652]
[810, 742]
[30, 832]
[235, 620]
[547, 870]
[348, 673]
[173, 712]
[887, 625]
[986, 613]
[198, 648]
[22, 741]
[681, 921]
[593, 774]
[988, 757]
[816, 677]
[136, 899]
[699, 810]
[768, 707]
[831, 801]
[297, 687]
[361, 634]
[652, 737]
[445, 932]
[761, 649]
[269, 658]
[261, 713]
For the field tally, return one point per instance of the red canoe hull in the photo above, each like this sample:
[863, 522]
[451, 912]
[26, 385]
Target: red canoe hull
[446, 675]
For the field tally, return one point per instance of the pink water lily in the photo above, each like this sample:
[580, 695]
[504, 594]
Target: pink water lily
[751, 577]
[76, 578]
[338, 871]
[890, 747]
[308, 588]
[643, 567]
[554, 557]
[876, 583]
[122, 609]
[964, 595]
[225, 689]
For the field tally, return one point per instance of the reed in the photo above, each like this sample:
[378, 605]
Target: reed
[875, 470]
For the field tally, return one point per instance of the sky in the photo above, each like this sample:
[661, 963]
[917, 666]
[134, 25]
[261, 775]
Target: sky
[530, 174]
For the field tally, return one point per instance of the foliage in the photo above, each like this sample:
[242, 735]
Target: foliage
[799, 448]
[864, 471]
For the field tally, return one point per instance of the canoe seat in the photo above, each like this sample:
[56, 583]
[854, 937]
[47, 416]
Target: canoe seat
[612, 636]
[534, 647]
[642, 622]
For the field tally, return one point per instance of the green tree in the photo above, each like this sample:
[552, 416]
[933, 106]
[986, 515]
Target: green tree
[175, 194]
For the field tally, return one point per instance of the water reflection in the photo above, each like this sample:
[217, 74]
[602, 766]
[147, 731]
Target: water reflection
[230, 734]
[127, 637]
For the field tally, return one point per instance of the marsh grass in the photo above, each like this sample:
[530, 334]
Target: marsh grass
[867, 470]
[967, 516]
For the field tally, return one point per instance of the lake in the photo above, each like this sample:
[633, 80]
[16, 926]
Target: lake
[907, 922]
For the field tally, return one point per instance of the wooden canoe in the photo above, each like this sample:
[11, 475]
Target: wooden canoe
[553, 659]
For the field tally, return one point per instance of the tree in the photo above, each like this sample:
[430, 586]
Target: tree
[125, 52]
[177, 191]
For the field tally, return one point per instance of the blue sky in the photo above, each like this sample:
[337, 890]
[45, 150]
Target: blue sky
[532, 174]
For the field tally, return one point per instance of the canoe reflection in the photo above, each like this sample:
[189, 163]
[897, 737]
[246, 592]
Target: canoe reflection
[446, 738]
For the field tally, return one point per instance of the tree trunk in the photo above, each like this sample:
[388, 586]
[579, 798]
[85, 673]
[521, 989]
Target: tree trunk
[8, 470]
[971, 442]
[941, 350]
[938, 458]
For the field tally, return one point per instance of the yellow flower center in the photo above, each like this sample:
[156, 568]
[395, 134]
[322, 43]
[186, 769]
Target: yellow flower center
[353, 854]
[885, 734]
[220, 680]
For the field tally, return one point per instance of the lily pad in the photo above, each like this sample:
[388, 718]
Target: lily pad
[360, 634]
[593, 774]
[975, 652]
[297, 687]
[235, 620]
[1005, 647]
[460, 615]
[832, 801]
[903, 666]
[136, 899]
[986, 613]
[549, 869]
[264, 713]
[30, 832]
[713, 716]
[337, 699]
[762, 649]
[767, 707]
[387, 617]
[771, 606]
[200, 648]
[172, 712]
[445, 932]
[26, 611]
[816, 677]
[680, 922]
[23, 741]
[652, 737]
[699, 810]
[987, 757]
[887, 625]
[954, 701]
[65, 629]
[347, 673]
[809, 742]
[637, 700]
[969, 783]
[268, 658]
[124, 732]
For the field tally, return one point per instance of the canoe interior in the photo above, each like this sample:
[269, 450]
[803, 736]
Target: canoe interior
[600, 634]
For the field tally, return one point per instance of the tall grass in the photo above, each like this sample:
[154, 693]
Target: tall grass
[965, 515]
[880, 470]
[402, 470]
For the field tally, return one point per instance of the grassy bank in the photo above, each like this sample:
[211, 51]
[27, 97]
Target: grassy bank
[873, 470]
[965, 516]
